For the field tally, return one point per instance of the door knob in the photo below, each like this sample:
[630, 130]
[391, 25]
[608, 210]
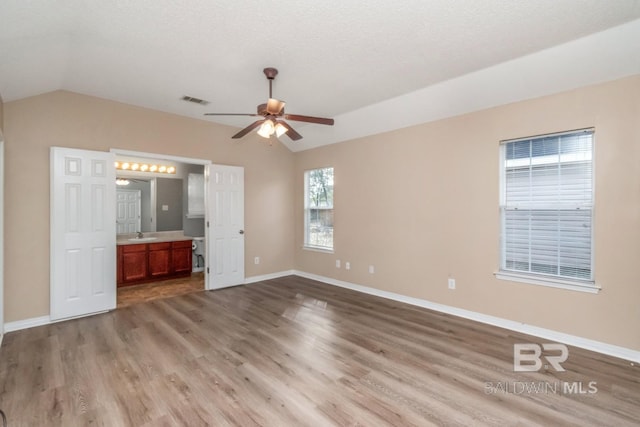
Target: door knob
[241, 231]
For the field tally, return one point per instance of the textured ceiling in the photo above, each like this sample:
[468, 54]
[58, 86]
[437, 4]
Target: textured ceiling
[336, 58]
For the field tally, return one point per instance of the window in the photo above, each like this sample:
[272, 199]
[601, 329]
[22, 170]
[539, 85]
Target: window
[318, 208]
[546, 208]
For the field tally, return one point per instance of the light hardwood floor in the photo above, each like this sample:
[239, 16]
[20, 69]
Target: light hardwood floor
[294, 352]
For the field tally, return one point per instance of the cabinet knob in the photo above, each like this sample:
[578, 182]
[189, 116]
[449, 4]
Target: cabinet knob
[241, 231]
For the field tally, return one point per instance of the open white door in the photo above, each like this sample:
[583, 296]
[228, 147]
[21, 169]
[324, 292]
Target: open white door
[225, 226]
[1, 236]
[83, 232]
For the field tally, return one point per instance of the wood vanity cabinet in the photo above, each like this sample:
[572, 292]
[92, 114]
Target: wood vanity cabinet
[181, 253]
[134, 263]
[159, 259]
[141, 263]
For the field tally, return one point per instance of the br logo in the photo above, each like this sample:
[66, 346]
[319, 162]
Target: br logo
[528, 357]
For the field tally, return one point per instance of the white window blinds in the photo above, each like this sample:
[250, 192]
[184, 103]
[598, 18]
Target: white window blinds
[547, 204]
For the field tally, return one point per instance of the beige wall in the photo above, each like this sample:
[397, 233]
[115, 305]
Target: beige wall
[1, 114]
[66, 119]
[421, 205]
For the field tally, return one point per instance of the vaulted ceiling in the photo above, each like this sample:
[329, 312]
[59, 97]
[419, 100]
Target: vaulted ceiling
[373, 66]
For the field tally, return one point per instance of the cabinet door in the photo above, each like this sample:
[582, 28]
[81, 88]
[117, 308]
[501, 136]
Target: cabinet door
[181, 253]
[134, 263]
[159, 259]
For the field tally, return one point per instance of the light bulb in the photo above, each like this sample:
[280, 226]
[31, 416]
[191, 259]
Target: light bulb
[162, 169]
[135, 167]
[280, 130]
[117, 165]
[171, 169]
[144, 168]
[267, 129]
[125, 166]
[153, 168]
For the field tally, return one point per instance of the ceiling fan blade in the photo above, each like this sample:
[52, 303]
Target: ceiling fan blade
[291, 133]
[309, 119]
[248, 129]
[231, 114]
[275, 106]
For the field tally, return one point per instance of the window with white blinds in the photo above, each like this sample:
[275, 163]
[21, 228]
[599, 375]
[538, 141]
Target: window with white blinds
[547, 206]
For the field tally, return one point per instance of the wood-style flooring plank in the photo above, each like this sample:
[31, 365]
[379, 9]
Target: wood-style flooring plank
[294, 352]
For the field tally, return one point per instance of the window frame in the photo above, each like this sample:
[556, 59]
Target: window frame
[307, 209]
[549, 280]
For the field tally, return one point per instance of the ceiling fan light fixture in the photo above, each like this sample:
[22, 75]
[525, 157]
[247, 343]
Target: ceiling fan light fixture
[266, 129]
[280, 129]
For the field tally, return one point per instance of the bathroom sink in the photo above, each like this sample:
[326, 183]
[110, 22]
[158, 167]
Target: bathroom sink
[142, 239]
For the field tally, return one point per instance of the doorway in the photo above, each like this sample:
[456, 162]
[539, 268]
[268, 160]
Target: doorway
[220, 222]
[155, 205]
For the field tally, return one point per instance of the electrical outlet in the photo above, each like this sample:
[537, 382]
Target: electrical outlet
[371, 269]
[452, 283]
[256, 260]
[347, 265]
[337, 263]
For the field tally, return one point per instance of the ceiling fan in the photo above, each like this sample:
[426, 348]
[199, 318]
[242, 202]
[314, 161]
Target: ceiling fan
[273, 115]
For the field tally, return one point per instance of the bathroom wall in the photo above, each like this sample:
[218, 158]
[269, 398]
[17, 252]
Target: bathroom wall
[168, 204]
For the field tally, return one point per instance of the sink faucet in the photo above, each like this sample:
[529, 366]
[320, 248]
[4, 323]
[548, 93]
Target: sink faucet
[139, 234]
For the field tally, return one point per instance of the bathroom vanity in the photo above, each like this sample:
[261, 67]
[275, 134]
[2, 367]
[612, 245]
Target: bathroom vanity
[153, 258]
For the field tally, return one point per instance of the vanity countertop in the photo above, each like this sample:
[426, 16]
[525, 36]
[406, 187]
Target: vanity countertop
[159, 237]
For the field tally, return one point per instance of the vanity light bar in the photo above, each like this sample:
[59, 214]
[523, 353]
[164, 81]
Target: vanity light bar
[144, 167]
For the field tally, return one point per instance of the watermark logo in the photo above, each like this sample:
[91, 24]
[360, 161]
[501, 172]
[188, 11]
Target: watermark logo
[541, 387]
[531, 357]
[527, 357]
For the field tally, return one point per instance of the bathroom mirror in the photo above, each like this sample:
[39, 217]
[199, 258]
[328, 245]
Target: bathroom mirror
[148, 205]
[154, 202]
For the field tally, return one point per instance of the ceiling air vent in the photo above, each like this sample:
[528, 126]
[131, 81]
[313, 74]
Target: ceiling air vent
[195, 100]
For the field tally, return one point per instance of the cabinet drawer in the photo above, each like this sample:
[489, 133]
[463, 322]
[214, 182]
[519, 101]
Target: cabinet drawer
[159, 246]
[126, 249]
[182, 244]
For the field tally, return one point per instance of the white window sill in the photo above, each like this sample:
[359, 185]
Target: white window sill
[317, 249]
[588, 287]
[194, 216]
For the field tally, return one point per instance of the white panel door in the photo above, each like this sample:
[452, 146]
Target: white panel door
[1, 236]
[128, 211]
[83, 232]
[225, 219]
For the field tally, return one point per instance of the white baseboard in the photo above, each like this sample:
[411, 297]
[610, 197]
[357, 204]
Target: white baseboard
[26, 323]
[255, 279]
[588, 344]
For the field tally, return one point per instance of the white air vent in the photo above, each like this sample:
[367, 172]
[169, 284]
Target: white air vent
[195, 100]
